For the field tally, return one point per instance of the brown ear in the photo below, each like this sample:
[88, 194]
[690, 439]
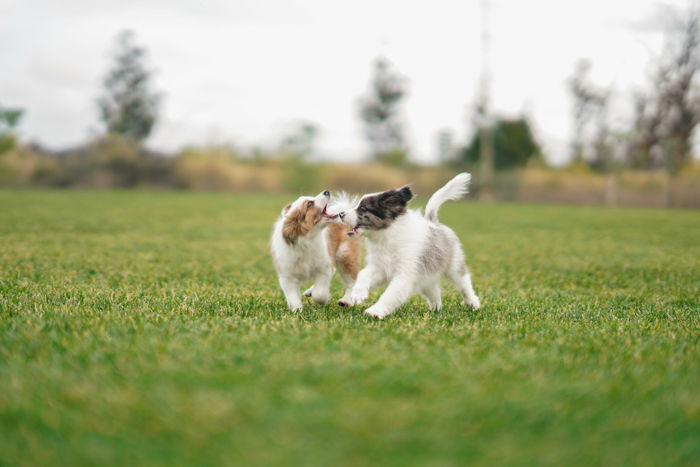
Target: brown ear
[290, 231]
[293, 226]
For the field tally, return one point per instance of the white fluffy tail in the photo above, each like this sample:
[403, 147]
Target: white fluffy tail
[454, 189]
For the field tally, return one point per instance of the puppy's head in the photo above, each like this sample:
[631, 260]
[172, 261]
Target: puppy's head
[303, 215]
[377, 211]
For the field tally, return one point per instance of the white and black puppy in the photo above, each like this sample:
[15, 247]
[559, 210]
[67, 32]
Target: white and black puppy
[306, 246]
[408, 250]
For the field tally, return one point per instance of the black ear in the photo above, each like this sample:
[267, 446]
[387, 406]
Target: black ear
[393, 202]
[405, 193]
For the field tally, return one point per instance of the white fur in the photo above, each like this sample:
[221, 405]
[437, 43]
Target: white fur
[396, 255]
[306, 259]
[341, 203]
[455, 189]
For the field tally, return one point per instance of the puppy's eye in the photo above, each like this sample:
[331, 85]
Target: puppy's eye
[309, 204]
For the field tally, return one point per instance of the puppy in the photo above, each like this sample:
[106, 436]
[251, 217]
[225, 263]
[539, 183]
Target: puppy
[343, 249]
[304, 249]
[408, 250]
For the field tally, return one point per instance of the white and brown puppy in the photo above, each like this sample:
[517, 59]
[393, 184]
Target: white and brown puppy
[408, 250]
[305, 246]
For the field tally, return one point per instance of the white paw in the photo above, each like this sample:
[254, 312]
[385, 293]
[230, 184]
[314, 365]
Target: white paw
[358, 296]
[474, 302]
[295, 308]
[376, 312]
[344, 300]
[321, 298]
[309, 291]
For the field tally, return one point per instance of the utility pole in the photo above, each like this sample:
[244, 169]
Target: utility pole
[484, 119]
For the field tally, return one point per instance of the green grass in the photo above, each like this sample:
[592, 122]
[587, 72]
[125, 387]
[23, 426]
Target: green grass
[148, 328]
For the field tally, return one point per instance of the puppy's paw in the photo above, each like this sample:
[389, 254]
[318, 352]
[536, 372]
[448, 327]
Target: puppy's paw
[309, 291]
[345, 299]
[358, 296]
[321, 298]
[376, 312]
[474, 302]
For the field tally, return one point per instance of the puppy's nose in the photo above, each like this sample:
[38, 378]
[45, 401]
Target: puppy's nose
[327, 194]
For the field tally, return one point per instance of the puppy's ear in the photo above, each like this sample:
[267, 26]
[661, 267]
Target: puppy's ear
[286, 209]
[405, 193]
[394, 202]
[291, 230]
[295, 225]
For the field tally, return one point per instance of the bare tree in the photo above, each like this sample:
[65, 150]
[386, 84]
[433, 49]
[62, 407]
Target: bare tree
[589, 106]
[642, 151]
[678, 87]
[666, 117]
[379, 110]
[603, 145]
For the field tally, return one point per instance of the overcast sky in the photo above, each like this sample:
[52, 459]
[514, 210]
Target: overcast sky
[244, 71]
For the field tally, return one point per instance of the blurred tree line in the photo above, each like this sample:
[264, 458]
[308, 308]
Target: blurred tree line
[666, 113]
[659, 137]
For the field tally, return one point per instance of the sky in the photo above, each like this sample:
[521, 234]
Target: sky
[245, 72]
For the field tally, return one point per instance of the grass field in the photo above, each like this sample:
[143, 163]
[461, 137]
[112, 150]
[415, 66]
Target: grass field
[148, 328]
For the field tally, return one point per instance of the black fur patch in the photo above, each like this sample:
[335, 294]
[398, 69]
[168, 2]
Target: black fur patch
[379, 211]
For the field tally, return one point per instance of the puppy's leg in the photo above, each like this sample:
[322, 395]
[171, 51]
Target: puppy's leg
[320, 291]
[398, 291]
[432, 295]
[290, 287]
[347, 261]
[369, 277]
[462, 281]
[349, 283]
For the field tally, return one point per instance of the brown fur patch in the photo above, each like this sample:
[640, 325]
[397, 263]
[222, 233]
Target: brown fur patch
[300, 222]
[344, 250]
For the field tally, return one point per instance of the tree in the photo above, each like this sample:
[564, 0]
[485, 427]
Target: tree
[9, 119]
[678, 87]
[513, 144]
[129, 107]
[301, 141]
[590, 105]
[379, 110]
[642, 152]
[667, 116]
[445, 145]
[603, 142]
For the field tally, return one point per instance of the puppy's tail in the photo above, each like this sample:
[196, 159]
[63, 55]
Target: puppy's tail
[454, 189]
